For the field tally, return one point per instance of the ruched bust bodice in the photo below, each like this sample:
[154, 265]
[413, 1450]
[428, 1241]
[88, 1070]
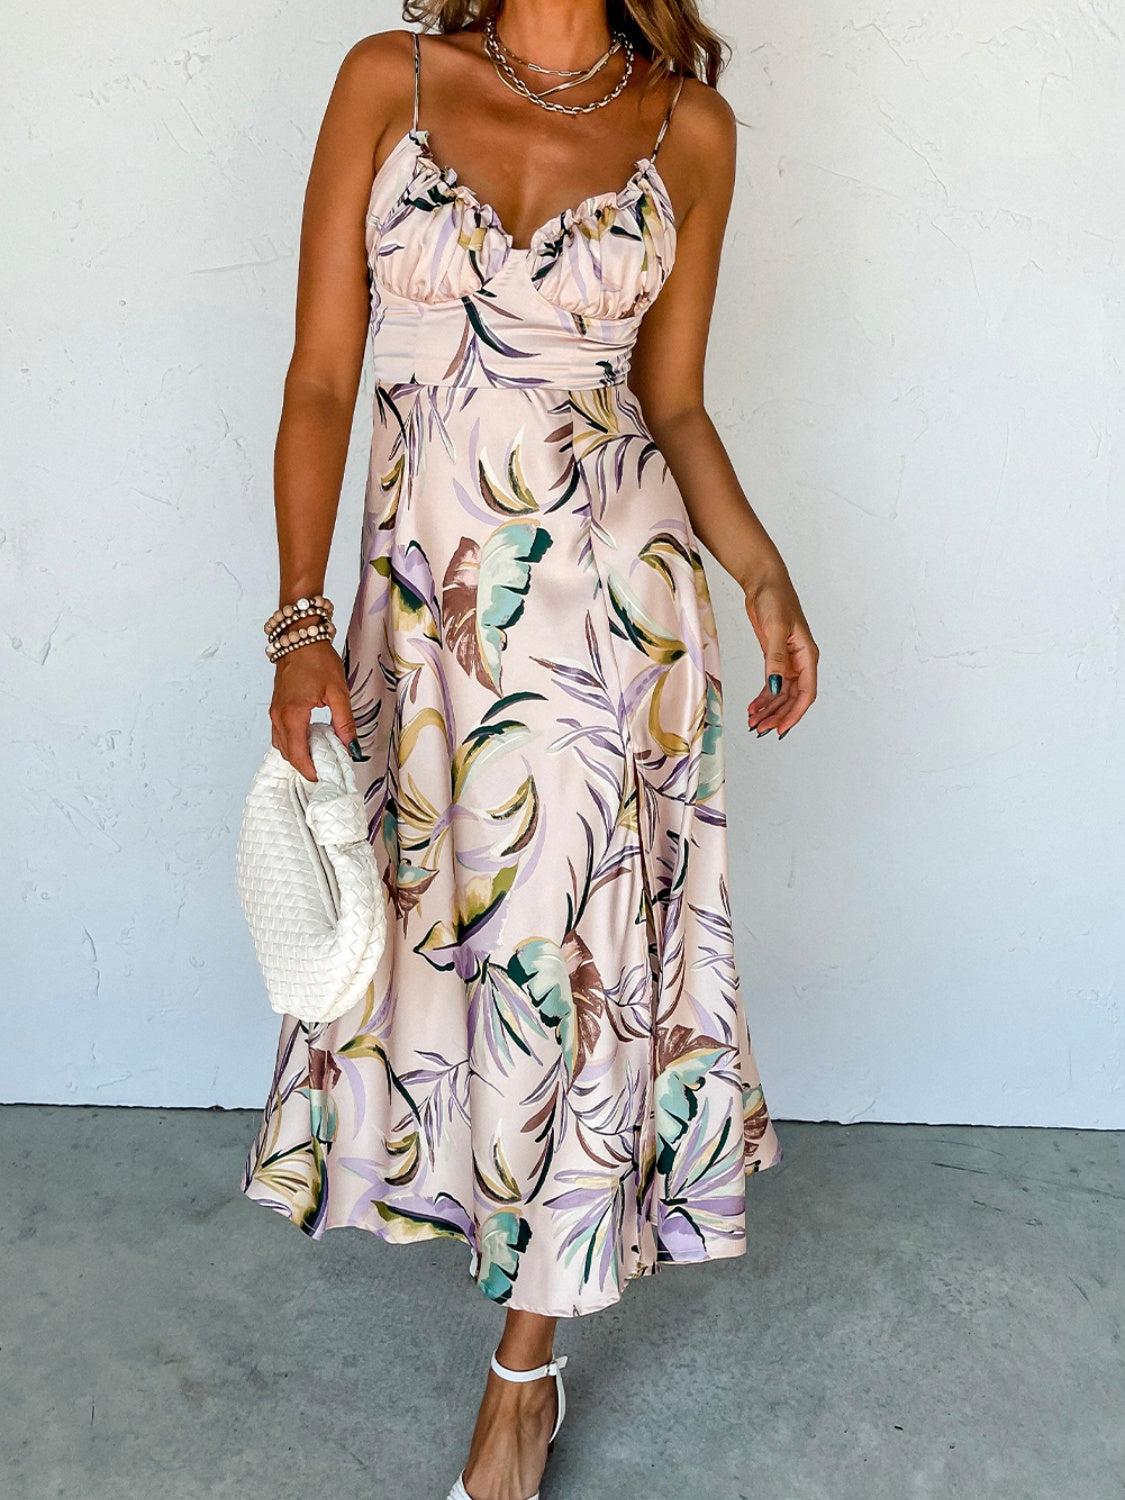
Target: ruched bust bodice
[455, 302]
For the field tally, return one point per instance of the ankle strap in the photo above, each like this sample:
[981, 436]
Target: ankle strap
[521, 1377]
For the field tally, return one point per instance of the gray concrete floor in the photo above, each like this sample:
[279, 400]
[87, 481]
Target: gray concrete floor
[924, 1312]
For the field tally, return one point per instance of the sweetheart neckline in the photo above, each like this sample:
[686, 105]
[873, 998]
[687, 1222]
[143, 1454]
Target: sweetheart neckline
[419, 138]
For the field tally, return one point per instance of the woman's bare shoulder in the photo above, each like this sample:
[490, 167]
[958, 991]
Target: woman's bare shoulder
[705, 120]
[699, 151]
[382, 59]
[375, 80]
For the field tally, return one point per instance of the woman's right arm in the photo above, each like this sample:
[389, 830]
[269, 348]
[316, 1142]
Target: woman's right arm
[371, 94]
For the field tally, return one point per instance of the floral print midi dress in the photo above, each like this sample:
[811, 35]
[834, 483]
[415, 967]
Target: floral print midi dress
[553, 1061]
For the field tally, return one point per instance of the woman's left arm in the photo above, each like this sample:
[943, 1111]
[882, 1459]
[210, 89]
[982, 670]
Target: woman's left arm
[667, 378]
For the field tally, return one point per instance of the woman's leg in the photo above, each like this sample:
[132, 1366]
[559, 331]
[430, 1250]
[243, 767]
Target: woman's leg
[509, 1447]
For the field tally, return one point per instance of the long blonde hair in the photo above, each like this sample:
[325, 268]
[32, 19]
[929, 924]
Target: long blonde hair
[670, 33]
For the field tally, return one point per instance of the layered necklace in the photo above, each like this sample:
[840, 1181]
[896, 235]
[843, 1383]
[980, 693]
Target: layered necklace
[504, 61]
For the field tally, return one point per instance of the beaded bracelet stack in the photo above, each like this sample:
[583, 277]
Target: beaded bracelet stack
[285, 632]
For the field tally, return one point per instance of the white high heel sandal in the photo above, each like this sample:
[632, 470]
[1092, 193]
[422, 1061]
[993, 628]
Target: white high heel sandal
[521, 1377]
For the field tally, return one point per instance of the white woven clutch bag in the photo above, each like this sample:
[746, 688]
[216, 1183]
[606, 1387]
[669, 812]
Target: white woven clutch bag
[309, 883]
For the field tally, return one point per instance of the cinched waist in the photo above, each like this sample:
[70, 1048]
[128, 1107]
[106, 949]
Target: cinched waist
[401, 372]
[479, 341]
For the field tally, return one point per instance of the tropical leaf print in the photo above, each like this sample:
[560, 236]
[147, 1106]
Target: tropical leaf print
[669, 738]
[517, 499]
[365, 1046]
[413, 598]
[483, 747]
[677, 1087]
[323, 1074]
[502, 1186]
[755, 1117]
[503, 1023]
[539, 967]
[607, 431]
[416, 832]
[601, 424]
[293, 1181]
[644, 632]
[483, 595]
[663, 552]
[407, 881]
[593, 1206]
[405, 1148]
[504, 1237]
[551, 1064]
[701, 1201]
[462, 943]
[323, 1115]
[390, 487]
[691, 738]
[712, 769]
[404, 1226]
[440, 1085]
[586, 988]
[519, 817]
[566, 990]
[599, 223]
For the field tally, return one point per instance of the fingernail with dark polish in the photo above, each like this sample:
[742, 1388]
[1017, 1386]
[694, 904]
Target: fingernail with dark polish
[783, 733]
[355, 751]
[761, 732]
[775, 683]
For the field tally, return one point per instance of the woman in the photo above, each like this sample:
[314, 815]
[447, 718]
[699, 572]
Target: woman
[553, 1063]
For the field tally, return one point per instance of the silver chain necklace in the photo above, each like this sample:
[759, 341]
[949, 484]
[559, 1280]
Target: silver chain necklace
[508, 76]
[595, 67]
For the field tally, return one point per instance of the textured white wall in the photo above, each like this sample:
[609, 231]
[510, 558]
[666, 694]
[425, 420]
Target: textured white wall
[918, 370]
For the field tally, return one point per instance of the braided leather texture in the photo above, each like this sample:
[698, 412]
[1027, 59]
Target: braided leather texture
[309, 883]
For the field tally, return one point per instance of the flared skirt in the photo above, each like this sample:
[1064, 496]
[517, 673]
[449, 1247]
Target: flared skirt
[553, 1062]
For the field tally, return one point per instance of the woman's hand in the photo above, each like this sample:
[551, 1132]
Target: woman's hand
[791, 655]
[310, 677]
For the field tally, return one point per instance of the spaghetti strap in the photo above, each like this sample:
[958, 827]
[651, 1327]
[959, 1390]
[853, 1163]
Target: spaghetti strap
[417, 79]
[667, 119]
